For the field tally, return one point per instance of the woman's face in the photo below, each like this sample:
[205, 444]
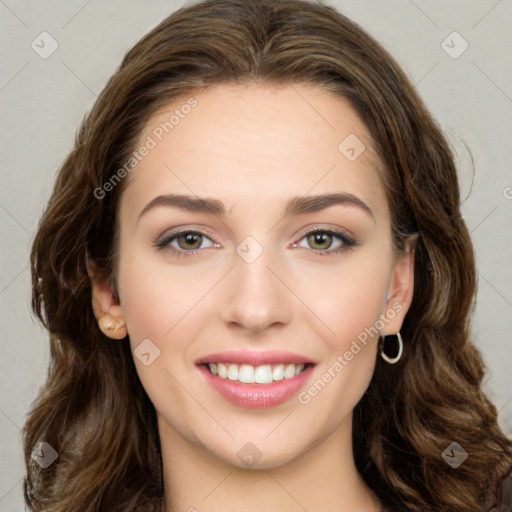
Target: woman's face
[240, 278]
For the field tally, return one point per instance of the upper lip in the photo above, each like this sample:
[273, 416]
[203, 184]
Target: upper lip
[255, 358]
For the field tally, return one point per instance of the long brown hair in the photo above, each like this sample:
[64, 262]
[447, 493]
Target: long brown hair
[93, 410]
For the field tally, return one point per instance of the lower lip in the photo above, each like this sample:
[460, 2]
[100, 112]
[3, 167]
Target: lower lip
[257, 396]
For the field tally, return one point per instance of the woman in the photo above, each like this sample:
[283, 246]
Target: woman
[258, 284]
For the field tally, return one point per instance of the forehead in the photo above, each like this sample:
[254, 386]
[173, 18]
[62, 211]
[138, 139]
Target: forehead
[241, 141]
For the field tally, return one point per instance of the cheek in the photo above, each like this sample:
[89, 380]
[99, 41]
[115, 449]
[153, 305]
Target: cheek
[167, 306]
[348, 298]
[157, 296]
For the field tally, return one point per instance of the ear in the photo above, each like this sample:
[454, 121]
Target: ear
[105, 305]
[401, 289]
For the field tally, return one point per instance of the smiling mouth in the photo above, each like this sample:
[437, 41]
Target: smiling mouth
[261, 374]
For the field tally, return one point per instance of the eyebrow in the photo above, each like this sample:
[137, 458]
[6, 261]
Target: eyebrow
[295, 206]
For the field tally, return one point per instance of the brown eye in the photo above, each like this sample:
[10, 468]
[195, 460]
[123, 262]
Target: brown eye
[185, 242]
[189, 241]
[326, 242]
[320, 240]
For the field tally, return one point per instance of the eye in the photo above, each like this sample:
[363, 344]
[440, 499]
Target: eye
[327, 241]
[185, 242]
[321, 241]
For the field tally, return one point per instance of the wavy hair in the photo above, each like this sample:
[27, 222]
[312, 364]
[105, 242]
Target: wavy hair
[93, 409]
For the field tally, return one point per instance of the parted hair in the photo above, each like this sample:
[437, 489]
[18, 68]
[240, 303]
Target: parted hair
[92, 409]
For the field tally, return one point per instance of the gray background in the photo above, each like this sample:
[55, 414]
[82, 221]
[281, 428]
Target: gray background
[42, 102]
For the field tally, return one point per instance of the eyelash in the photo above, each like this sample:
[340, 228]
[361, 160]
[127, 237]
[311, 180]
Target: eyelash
[348, 242]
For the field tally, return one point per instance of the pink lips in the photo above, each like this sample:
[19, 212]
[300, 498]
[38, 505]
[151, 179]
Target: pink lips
[255, 358]
[256, 396]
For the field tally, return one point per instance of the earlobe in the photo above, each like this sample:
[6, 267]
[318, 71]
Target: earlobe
[105, 305]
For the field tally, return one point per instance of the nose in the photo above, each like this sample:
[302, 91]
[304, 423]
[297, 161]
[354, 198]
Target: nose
[257, 297]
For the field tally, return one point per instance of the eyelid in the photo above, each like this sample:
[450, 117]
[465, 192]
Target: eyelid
[349, 242]
[327, 228]
[334, 230]
[163, 242]
[180, 230]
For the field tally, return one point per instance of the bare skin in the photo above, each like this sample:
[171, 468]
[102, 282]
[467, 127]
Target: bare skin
[253, 148]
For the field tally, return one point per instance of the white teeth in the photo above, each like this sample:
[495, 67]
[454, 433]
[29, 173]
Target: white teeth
[263, 374]
[278, 373]
[233, 372]
[246, 373]
[249, 374]
[222, 370]
[289, 371]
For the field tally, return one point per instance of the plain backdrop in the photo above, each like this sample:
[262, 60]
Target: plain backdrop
[44, 97]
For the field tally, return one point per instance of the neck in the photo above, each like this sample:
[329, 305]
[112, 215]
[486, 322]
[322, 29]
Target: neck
[323, 477]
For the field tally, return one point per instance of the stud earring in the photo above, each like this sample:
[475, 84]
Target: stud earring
[111, 328]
